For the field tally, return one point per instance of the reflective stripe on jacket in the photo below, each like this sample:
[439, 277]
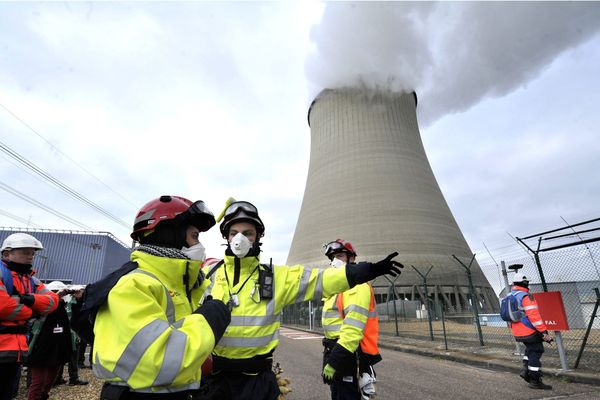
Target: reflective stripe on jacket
[146, 336]
[357, 321]
[331, 319]
[254, 328]
[520, 329]
[14, 315]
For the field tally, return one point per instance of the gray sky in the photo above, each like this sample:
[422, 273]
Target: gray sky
[209, 100]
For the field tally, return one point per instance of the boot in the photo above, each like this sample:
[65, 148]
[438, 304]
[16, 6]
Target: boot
[525, 372]
[77, 382]
[536, 381]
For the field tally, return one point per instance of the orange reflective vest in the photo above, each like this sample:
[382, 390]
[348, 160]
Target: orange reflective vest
[532, 323]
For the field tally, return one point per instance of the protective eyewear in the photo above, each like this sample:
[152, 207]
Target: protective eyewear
[238, 206]
[198, 215]
[198, 207]
[333, 247]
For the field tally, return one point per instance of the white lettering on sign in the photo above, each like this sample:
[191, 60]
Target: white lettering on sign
[550, 322]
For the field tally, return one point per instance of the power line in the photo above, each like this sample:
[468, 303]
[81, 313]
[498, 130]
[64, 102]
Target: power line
[71, 192]
[65, 155]
[44, 207]
[18, 219]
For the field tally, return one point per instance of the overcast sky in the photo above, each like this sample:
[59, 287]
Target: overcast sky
[124, 102]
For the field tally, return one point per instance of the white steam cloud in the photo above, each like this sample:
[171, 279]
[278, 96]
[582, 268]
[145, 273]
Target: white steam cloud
[452, 54]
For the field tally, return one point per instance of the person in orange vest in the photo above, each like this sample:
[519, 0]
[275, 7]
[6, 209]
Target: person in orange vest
[22, 297]
[531, 331]
[351, 329]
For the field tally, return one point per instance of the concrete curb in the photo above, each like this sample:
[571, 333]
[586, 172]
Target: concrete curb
[483, 361]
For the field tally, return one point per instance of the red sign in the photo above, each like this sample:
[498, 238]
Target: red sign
[552, 310]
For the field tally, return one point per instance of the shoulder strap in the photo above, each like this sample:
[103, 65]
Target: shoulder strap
[35, 282]
[214, 269]
[7, 278]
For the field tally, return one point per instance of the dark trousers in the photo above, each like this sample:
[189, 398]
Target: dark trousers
[342, 388]
[81, 347]
[114, 392]
[533, 355]
[73, 369]
[345, 389]
[42, 379]
[9, 377]
[239, 386]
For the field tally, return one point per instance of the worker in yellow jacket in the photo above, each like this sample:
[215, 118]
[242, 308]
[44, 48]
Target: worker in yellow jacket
[256, 294]
[351, 329]
[151, 337]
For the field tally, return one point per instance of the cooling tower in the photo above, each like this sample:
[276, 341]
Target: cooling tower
[369, 182]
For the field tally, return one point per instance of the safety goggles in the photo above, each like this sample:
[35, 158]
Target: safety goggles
[246, 207]
[198, 207]
[334, 247]
[198, 215]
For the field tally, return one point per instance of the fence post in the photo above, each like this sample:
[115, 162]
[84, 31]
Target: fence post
[473, 297]
[310, 315]
[589, 328]
[426, 298]
[395, 298]
[444, 326]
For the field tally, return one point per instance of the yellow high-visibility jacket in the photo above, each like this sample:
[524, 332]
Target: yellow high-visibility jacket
[254, 327]
[146, 336]
[359, 313]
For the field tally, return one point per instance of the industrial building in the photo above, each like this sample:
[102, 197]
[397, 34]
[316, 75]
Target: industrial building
[370, 182]
[76, 257]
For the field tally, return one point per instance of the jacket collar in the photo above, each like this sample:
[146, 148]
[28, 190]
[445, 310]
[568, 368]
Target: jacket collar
[521, 288]
[170, 271]
[248, 262]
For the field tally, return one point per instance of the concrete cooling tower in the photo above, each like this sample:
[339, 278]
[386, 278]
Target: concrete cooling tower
[369, 182]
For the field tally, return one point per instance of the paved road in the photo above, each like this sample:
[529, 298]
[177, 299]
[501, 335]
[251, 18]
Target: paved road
[407, 376]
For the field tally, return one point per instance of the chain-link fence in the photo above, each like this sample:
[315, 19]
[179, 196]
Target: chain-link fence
[572, 271]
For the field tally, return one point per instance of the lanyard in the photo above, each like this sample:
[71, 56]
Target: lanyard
[233, 299]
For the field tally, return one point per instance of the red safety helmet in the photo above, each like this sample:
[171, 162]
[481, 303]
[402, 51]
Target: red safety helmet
[338, 246]
[167, 208]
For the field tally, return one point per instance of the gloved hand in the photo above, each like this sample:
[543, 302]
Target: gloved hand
[217, 315]
[328, 373]
[27, 299]
[365, 271]
[547, 338]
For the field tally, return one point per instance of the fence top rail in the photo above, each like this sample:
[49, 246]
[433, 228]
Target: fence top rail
[560, 229]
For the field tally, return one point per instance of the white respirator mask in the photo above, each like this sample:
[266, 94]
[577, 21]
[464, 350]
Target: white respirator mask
[240, 245]
[196, 252]
[336, 263]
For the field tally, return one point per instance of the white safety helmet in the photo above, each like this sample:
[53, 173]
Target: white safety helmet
[56, 286]
[20, 241]
[518, 277]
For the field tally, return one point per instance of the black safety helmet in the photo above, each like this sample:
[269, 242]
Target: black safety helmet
[241, 211]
